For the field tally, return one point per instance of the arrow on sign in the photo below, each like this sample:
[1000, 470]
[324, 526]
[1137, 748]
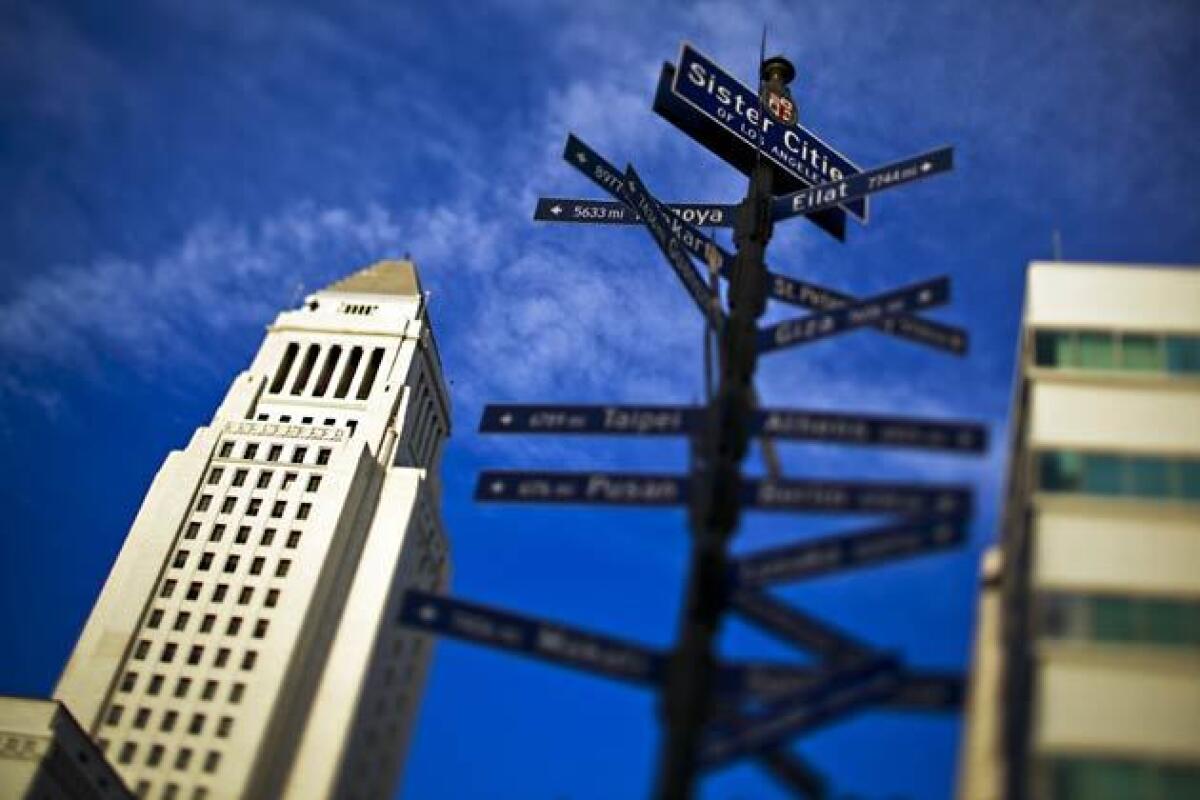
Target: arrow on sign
[641, 420]
[782, 288]
[602, 655]
[822, 426]
[600, 488]
[641, 489]
[832, 554]
[835, 193]
[838, 496]
[790, 333]
[562, 209]
[776, 423]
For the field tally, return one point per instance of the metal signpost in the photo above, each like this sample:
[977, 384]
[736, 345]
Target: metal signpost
[715, 711]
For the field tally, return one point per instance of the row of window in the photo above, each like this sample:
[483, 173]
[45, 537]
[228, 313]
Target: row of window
[205, 563]
[1084, 778]
[1104, 350]
[324, 378]
[196, 726]
[170, 791]
[274, 452]
[263, 479]
[154, 686]
[232, 627]
[219, 593]
[1167, 622]
[217, 533]
[155, 752]
[253, 506]
[1119, 475]
[195, 654]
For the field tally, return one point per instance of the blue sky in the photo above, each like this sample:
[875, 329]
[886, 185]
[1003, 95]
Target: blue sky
[177, 173]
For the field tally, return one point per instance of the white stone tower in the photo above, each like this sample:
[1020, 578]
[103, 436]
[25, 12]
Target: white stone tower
[245, 644]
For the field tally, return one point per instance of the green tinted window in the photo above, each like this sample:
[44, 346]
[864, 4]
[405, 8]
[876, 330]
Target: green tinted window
[1102, 474]
[1179, 782]
[1183, 353]
[1141, 352]
[1096, 351]
[1189, 479]
[1148, 477]
[1060, 471]
[1165, 622]
[1054, 349]
[1113, 619]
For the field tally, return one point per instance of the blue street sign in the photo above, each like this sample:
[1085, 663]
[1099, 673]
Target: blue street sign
[796, 627]
[642, 489]
[803, 330]
[660, 224]
[919, 690]
[788, 290]
[841, 496]
[820, 426]
[730, 103]
[602, 655]
[786, 424]
[641, 420]
[599, 488]
[720, 141]
[562, 209]
[841, 693]
[831, 554]
[838, 192]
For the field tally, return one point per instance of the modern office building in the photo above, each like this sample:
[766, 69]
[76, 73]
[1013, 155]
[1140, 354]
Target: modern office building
[245, 644]
[45, 755]
[1086, 674]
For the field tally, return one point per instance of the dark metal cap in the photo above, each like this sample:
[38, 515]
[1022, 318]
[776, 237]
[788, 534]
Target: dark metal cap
[778, 67]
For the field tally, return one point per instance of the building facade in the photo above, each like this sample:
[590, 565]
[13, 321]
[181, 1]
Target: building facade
[1086, 674]
[46, 755]
[245, 643]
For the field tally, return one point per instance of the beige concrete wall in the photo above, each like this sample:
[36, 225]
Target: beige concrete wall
[1125, 547]
[1086, 704]
[1119, 416]
[1112, 297]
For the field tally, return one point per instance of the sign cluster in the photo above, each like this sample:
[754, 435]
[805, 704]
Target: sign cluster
[750, 710]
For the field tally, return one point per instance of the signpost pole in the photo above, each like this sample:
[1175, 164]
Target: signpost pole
[714, 511]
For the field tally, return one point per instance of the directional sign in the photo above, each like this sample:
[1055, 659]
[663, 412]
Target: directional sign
[561, 209]
[919, 690]
[863, 312]
[642, 420]
[641, 489]
[838, 192]
[600, 488]
[658, 222]
[789, 290]
[836, 697]
[733, 150]
[839, 496]
[964, 437]
[797, 628]
[712, 91]
[787, 424]
[603, 655]
[832, 554]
